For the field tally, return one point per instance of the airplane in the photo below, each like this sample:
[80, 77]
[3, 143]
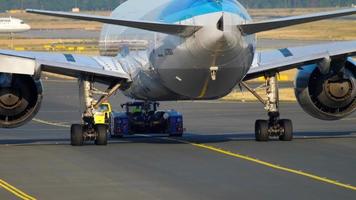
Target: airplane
[189, 50]
[13, 25]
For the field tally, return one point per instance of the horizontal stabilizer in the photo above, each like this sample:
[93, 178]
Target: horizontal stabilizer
[174, 29]
[257, 27]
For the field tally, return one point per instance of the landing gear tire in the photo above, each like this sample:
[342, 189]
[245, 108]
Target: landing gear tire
[76, 135]
[261, 130]
[102, 136]
[288, 130]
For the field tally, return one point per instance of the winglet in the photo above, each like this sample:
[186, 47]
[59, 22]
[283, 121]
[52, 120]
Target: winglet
[174, 29]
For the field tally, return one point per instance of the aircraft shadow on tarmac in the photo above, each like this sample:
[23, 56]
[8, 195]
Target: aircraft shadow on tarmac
[188, 137]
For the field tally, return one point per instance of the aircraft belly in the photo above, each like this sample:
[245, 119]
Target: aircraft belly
[198, 83]
[11, 30]
[147, 86]
[183, 84]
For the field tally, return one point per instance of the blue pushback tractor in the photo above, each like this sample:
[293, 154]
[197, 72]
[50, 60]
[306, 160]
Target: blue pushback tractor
[143, 117]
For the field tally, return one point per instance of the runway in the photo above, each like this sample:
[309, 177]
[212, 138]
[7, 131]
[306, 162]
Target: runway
[216, 159]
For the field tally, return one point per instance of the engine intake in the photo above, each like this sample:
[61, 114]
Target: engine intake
[20, 99]
[327, 97]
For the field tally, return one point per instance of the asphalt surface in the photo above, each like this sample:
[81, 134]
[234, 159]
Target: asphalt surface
[61, 34]
[38, 160]
[93, 34]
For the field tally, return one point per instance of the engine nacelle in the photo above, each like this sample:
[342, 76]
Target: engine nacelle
[20, 99]
[327, 97]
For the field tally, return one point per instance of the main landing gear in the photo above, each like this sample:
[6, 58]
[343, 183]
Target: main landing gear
[88, 130]
[274, 126]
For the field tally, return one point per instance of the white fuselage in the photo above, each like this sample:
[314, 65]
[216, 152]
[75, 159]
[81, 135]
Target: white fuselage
[13, 25]
[206, 65]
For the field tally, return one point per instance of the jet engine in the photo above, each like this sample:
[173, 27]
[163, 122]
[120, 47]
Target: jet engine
[327, 92]
[20, 99]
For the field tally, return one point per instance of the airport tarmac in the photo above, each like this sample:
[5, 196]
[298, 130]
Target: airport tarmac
[216, 159]
[61, 34]
[93, 34]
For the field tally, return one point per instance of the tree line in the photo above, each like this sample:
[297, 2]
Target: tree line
[111, 4]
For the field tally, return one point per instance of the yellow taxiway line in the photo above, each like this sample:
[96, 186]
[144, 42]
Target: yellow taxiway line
[15, 191]
[274, 166]
[268, 164]
[250, 159]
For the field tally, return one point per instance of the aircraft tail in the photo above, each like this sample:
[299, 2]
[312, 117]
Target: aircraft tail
[174, 29]
[257, 27]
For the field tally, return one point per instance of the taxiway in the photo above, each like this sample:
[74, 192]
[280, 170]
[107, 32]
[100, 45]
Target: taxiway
[217, 158]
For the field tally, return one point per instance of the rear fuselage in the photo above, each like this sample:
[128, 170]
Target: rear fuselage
[206, 65]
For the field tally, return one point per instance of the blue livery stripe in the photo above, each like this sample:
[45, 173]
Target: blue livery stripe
[179, 10]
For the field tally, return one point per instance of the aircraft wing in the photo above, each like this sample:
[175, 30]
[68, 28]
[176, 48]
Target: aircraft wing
[271, 61]
[100, 68]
